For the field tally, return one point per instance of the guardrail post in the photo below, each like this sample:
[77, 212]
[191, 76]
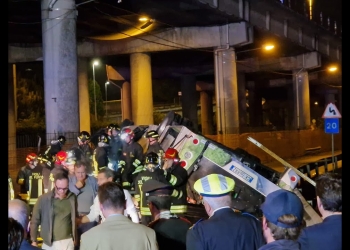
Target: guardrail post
[316, 168]
[335, 162]
[326, 165]
[308, 170]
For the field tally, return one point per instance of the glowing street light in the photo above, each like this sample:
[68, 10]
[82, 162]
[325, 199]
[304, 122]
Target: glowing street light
[121, 94]
[95, 63]
[266, 47]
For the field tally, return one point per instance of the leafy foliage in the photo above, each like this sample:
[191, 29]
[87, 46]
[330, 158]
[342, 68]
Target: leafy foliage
[30, 100]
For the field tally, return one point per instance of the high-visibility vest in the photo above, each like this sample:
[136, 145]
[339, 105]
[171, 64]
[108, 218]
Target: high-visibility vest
[36, 186]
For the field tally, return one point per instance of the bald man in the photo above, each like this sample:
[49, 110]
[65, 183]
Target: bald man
[19, 210]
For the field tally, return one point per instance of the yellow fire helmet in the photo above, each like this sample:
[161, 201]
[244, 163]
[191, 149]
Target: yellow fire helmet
[214, 185]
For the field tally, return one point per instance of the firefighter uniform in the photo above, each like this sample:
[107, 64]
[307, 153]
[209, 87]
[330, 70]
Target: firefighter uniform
[33, 182]
[130, 160]
[225, 228]
[100, 155]
[140, 197]
[177, 176]
[170, 229]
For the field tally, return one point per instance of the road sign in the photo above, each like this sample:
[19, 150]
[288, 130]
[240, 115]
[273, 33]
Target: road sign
[331, 111]
[331, 125]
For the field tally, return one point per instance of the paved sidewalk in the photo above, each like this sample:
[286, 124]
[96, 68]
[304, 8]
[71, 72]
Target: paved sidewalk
[303, 160]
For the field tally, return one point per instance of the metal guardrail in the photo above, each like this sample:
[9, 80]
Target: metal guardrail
[322, 164]
[31, 140]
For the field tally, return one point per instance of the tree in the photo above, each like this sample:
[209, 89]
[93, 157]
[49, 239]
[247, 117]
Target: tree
[30, 99]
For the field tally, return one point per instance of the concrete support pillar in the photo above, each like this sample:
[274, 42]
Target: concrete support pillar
[206, 100]
[301, 99]
[189, 99]
[84, 104]
[226, 88]
[12, 154]
[255, 106]
[60, 67]
[141, 88]
[242, 99]
[126, 101]
[290, 108]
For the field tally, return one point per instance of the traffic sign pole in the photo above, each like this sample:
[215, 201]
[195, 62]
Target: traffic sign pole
[331, 122]
[333, 163]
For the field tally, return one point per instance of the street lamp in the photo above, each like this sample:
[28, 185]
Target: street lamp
[106, 97]
[95, 63]
[330, 69]
[121, 95]
[266, 47]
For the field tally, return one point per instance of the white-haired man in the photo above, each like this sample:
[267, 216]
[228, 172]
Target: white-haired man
[19, 210]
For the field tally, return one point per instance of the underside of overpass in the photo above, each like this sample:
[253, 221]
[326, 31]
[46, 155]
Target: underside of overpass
[105, 21]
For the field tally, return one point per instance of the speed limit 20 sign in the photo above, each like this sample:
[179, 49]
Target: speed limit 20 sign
[331, 125]
[331, 117]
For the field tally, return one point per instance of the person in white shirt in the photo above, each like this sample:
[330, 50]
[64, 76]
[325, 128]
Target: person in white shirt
[107, 175]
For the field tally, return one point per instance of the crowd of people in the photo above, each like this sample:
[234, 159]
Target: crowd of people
[119, 195]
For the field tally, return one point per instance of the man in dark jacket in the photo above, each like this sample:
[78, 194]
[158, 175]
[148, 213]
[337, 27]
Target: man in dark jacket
[282, 220]
[225, 228]
[328, 233]
[170, 228]
[56, 213]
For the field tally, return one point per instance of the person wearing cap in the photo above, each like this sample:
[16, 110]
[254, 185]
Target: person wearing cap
[170, 228]
[328, 233]
[282, 220]
[225, 228]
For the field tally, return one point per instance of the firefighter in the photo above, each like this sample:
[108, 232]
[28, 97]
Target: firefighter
[83, 150]
[130, 159]
[150, 170]
[177, 176]
[100, 159]
[56, 146]
[58, 167]
[49, 157]
[154, 145]
[69, 162]
[116, 146]
[31, 178]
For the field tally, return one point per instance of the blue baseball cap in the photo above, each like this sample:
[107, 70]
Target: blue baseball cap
[282, 202]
